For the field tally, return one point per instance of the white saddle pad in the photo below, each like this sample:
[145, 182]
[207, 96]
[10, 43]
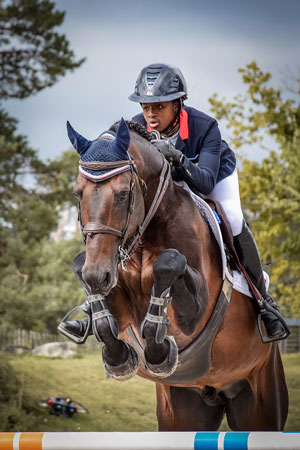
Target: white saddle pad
[238, 279]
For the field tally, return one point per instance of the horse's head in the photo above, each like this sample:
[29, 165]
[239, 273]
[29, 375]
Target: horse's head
[111, 203]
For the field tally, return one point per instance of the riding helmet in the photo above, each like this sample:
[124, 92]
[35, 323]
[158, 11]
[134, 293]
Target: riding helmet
[159, 83]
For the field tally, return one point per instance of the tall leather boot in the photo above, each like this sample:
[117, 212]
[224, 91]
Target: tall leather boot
[248, 254]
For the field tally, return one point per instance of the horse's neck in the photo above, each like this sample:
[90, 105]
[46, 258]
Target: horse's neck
[178, 222]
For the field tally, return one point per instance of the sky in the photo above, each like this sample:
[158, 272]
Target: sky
[209, 41]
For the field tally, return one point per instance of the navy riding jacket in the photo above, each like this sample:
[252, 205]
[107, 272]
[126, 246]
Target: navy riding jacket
[208, 159]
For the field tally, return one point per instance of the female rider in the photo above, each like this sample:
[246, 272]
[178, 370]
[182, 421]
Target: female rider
[191, 141]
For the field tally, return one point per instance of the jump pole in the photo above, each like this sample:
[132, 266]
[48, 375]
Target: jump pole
[151, 441]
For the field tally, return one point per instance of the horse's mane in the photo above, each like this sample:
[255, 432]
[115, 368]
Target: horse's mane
[134, 126]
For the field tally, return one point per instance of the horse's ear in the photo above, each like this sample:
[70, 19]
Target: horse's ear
[80, 143]
[121, 142]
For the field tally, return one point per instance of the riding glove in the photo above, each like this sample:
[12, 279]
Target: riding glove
[173, 156]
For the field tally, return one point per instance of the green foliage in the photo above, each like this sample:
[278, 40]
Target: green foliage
[58, 178]
[54, 289]
[270, 191]
[28, 216]
[33, 54]
[18, 409]
[36, 293]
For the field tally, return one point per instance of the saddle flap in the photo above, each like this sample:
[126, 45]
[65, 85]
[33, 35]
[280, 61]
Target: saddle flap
[224, 223]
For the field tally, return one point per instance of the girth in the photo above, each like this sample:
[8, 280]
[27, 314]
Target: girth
[195, 359]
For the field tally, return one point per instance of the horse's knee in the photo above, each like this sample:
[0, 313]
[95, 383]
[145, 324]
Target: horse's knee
[169, 265]
[78, 263]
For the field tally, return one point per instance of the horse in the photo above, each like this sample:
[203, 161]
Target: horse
[153, 270]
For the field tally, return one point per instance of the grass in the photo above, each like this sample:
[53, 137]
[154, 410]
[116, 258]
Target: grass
[292, 371]
[113, 406]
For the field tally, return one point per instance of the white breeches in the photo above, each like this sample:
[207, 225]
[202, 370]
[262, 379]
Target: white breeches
[227, 193]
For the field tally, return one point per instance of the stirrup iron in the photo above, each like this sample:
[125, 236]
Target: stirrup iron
[86, 308]
[264, 337]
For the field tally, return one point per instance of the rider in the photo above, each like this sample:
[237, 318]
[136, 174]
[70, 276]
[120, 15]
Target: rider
[191, 141]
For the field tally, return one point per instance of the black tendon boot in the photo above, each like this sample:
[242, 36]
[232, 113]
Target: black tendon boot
[248, 254]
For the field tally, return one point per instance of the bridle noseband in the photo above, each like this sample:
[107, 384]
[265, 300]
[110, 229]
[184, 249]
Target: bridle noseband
[92, 228]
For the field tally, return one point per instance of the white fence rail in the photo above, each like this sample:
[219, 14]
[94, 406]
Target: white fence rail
[151, 441]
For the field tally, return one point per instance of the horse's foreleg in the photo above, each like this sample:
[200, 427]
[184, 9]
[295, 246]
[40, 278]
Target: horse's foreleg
[119, 358]
[171, 274]
[189, 299]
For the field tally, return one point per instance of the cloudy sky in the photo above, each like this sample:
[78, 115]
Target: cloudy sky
[209, 41]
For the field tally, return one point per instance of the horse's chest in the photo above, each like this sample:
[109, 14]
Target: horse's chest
[142, 272]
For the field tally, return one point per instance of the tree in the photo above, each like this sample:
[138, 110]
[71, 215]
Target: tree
[270, 191]
[33, 55]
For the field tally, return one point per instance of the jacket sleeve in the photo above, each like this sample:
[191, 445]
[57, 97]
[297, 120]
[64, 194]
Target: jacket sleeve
[202, 174]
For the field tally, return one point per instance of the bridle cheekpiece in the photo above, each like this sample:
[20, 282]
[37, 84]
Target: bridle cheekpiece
[92, 228]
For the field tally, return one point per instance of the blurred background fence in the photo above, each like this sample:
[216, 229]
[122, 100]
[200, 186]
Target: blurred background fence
[25, 340]
[292, 343]
[22, 341]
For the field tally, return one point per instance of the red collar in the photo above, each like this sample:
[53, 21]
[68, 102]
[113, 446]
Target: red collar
[183, 127]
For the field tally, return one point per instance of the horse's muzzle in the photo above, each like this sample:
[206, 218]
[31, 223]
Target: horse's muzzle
[100, 280]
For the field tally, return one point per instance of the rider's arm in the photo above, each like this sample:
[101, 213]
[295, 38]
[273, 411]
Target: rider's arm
[202, 173]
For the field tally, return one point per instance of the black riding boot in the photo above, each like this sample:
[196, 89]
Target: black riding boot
[249, 256]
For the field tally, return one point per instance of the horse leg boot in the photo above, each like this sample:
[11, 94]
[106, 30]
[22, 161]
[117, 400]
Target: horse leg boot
[119, 358]
[161, 351]
[249, 256]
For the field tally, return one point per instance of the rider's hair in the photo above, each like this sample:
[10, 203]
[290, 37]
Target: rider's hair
[134, 126]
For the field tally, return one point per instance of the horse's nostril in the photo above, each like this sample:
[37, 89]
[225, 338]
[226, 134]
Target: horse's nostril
[107, 279]
[97, 279]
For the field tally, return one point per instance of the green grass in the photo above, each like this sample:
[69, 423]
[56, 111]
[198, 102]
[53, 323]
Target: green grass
[292, 372]
[113, 406]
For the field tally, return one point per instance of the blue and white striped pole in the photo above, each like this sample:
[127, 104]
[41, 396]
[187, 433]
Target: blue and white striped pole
[151, 441]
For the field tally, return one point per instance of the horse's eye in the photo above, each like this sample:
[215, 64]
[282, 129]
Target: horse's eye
[121, 196]
[76, 194]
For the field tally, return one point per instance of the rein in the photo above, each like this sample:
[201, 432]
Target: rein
[92, 228]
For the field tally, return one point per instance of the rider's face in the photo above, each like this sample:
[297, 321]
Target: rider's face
[160, 115]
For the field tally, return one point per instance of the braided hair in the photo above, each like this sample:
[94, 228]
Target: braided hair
[135, 126]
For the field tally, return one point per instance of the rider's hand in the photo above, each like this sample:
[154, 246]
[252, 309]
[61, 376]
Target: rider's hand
[173, 156]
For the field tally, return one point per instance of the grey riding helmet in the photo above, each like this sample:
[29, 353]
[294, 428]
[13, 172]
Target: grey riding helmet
[159, 83]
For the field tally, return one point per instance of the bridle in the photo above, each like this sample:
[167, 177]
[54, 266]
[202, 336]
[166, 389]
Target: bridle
[92, 228]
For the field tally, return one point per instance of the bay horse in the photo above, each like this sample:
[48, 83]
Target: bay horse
[153, 271]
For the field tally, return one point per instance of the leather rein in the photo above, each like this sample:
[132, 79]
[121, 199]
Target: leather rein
[92, 228]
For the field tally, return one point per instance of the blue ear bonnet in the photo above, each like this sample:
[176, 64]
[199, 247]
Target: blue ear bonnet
[104, 150]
